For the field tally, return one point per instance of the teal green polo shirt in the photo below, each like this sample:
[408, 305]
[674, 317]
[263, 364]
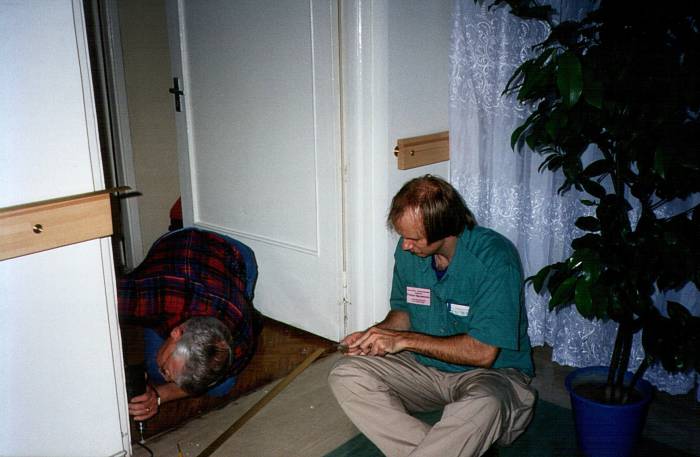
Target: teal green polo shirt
[480, 295]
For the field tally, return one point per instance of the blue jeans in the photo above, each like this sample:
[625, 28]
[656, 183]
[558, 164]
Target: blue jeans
[153, 342]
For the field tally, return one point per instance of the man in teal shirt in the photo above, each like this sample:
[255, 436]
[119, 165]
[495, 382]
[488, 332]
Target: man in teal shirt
[455, 338]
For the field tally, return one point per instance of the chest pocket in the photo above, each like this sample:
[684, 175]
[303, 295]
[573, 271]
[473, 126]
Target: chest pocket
[459, 316]
[459, 306]
[458, 309]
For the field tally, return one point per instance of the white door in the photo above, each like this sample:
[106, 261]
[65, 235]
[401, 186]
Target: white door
[61, 376]
[259, 144]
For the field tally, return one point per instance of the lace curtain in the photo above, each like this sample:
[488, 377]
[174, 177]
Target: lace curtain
[507, 193]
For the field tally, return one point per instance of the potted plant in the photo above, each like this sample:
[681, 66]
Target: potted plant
[625, 81]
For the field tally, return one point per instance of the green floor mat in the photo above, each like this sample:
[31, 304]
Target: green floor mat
[551, 433]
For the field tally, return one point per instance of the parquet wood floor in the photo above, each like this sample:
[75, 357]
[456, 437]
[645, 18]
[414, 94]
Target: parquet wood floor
[280, 349]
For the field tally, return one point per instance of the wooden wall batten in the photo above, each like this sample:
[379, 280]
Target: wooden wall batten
[422, 150]
[39, 226]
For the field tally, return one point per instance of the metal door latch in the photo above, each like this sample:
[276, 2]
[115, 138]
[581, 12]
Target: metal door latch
[177, 92]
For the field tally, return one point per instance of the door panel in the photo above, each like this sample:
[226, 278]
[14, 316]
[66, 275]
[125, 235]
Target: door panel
[259, 140]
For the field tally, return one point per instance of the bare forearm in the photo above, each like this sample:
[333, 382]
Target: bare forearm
[145, 406]
[395, 320]
[391, 336]
[459, 349]
[170, 392]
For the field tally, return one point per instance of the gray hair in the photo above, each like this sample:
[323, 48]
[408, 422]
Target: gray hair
[205, 346]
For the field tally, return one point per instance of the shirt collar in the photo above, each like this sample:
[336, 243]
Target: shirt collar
[462, 239]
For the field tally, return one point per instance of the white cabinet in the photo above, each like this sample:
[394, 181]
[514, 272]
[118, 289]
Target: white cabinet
[61, 376]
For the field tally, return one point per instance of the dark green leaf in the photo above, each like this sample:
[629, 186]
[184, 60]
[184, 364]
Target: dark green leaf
[588, 223]
[597, 168]
[532, 83]
[593, 90]
[564, 188]
[588, 202]
[593, 188]
[599, 296]
[616, 309]
[546, 162]
[516, 135]
[659, 163]
[588, 241]
[557, 120]
[563, 294]
[569, 78]
[678, 312]
[532, 140]
[582, 297]
[572, 166]
[539, 278]
[565, 33]
[541, 12]
[515, 78]
[671, 238]
[581, 257]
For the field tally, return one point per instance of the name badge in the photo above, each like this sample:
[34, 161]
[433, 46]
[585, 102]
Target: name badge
[459, 310]
[418, 296]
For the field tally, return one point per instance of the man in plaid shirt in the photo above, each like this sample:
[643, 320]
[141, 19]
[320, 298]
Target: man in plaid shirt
[193, 296]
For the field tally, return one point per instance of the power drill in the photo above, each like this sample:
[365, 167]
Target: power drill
[136, 385]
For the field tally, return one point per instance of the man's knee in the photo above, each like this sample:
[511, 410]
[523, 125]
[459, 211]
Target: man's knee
[489, 408]
[485, 396]
[345, 370]
[344, 377]
[351, 377]
[337, 373]
[494, 400]
[498, 391]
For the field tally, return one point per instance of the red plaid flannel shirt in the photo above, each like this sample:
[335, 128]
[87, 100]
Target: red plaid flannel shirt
[191, 273]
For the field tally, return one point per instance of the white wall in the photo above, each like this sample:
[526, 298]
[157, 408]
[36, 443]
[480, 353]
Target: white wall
[419, 39]
[146, 58]
[395, 85]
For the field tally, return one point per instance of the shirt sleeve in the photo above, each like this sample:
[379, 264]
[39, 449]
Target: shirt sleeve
[397, 300]
[499, 305]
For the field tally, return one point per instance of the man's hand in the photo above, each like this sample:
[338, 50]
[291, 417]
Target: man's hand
[145, 405]
[461, 349]
[374, 341]
[381, 339]
[350, 340]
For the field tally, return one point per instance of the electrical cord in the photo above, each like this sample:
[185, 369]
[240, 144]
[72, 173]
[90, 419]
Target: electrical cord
[150, 452]
[142, 442]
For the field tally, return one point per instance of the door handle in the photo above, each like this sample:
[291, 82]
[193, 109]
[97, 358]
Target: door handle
[177, 92]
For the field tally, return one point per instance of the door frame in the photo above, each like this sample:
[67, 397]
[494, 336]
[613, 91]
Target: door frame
[123, 158]
[182, 121]
[364, 42]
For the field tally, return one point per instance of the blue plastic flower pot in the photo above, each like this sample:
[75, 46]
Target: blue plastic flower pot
[606, 430]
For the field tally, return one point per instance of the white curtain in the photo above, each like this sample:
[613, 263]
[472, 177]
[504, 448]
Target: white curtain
[504, 189]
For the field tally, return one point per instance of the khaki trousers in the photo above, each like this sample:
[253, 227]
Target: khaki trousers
[481, 406]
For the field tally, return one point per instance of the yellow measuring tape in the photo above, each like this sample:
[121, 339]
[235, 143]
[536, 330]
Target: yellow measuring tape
[261, 403]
